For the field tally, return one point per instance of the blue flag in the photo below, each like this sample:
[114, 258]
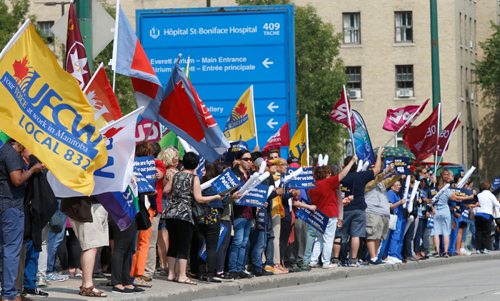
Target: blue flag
[364, 149]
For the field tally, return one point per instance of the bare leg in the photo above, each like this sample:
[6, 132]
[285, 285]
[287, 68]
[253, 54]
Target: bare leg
[87, 261]
[354, 247]
[372, 248]
[436, 243]
[182, 270]
[171, 270]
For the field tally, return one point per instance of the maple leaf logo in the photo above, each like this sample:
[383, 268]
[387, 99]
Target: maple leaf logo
[241, 109]
[20, 68]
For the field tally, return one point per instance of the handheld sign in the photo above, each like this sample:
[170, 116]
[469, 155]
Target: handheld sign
[317, 219]
[496, 183]
[255, 182]
[407, 189]
[400, 164]
[413, 194]
[440, 192]
[302, 181]
[255, 198]
[466, 177]
[203, 249]
[146, 166]
[223, 183]
[143, 185]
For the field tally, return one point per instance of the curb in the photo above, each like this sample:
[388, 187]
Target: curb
[178, 292]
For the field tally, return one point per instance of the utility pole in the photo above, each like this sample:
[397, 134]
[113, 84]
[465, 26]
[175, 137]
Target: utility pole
[436, 78]
[84, 13]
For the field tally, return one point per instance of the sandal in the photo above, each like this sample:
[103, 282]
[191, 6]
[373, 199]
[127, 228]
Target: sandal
[187, 281]
[91, 292]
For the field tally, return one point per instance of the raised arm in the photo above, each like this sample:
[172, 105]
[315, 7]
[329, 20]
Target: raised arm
[346, 169]
[378, 164]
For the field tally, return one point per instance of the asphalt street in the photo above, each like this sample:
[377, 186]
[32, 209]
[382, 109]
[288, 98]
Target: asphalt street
[479, 280]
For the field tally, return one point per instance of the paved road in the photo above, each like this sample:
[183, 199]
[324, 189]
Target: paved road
[479, 280]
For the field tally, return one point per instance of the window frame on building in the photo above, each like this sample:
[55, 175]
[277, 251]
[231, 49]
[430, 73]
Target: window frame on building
[44, 28]
[401, 31]
[405, 81]
[354, 81]
[351, 31]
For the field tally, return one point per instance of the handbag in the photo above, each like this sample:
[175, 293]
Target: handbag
[393, 218]
[199, 210]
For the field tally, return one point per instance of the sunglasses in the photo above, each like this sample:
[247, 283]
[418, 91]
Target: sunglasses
[247, 159]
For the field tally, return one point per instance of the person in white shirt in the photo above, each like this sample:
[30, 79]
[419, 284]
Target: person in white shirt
[484, 216]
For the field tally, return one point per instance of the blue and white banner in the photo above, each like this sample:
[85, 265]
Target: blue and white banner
[401, 164]
[317, 219]
[146, 166]
[143, 185]
[222, 235]
[364, 149]
[304, 180]
[226, 181]
[256, 197]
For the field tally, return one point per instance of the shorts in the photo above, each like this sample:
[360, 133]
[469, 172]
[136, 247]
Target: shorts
[377, 226]
[353, 224]
[462, 225]
[162, 225]
[95, 234]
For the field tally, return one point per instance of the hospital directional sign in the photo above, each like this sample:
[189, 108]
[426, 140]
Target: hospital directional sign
[229, 49]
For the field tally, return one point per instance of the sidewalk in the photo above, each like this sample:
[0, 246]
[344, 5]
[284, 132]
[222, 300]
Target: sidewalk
[163, 290]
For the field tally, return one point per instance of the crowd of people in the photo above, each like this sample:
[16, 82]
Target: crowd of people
[189, 234]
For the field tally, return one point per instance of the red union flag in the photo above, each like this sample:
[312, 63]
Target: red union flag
[399, 119]
[102, 98]
[281, 138]
[341, 110]
[422, 139]
[445, 135]
[76, 58]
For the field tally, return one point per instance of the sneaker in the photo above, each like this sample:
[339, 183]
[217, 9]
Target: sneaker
[465, 252]
[55, 277]
[224, 277]
[393, 260]
[329, 266]
[294, 269]
[485, 251]
[305, 267]
[211, 279]
[245, 275]
[138, 281]
[314, 265]
[376, 262]
[35, 292]
[354, 263]
[41, 281]
[99, 275]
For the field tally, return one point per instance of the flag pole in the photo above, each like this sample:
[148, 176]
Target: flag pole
[92, 79]
[437, 139]
[406, 123]
[187, 67]
[254, 117]
[349, 114]
[115, 43]
[449, 138]
[14, 38]
[307, 140]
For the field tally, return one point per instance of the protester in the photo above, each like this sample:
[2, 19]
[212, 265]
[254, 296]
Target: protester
[393, 244]
[184, 189]
[484, 216]
[324, 197]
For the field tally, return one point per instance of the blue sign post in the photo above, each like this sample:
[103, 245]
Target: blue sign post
[230, 48]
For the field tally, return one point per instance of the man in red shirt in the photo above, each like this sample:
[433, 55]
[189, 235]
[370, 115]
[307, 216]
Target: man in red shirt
[324, 196]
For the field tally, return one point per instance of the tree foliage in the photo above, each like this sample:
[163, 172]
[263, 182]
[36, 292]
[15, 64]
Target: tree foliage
[319, 74]
[488, 78]
[11, 19]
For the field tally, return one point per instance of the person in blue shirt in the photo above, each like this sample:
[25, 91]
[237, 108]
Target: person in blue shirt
[394, 241]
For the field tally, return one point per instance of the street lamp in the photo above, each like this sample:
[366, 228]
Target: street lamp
[54, 3]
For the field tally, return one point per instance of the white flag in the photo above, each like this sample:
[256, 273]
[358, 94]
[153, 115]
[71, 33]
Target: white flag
[118, 171]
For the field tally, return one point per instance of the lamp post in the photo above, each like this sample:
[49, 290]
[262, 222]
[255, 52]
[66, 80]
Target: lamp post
[54, 3]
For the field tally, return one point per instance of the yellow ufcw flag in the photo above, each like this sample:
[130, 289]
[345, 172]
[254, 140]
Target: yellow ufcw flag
[299, 143]
[241, 123]
[43, 108]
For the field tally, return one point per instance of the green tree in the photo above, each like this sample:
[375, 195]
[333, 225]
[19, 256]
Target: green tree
[11, 19]
[319, 74]
[123, 85]
[488, 78]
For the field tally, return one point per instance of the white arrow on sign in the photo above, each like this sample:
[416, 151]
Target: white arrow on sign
[272, 106]
[267, 62]
[271, 123]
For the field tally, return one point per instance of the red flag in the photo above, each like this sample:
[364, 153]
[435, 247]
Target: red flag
[76, 58]
[102, 98]
[399, 119]
[422, 139]
[281, 138]
[341, 110]
[445, 135]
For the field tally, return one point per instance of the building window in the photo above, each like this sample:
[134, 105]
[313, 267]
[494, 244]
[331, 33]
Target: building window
[404, 27]
[353, 81]
[44, 28]
[352, 33]
[404, 81]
